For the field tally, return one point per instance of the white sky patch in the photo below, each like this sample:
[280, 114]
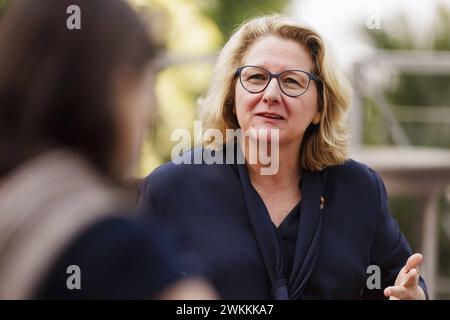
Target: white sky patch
[340, 22]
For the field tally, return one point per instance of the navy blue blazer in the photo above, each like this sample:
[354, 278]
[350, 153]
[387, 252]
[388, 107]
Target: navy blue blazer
[222, 226]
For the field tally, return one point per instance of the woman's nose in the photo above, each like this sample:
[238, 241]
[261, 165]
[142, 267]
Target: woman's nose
[272, 92]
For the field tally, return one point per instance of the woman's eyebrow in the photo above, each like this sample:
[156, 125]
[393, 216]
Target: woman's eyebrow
[268, 67]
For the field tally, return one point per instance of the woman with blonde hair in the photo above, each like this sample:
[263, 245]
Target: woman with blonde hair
[309, 229]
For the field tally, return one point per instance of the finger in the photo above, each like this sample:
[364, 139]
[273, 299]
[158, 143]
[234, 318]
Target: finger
[387, 293]
[413, 261]
[397, 292]
[411, 279]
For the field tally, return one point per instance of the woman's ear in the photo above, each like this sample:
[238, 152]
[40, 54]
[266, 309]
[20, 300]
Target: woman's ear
[316, 118]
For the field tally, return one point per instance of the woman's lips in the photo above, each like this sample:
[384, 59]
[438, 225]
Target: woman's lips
[270, 116]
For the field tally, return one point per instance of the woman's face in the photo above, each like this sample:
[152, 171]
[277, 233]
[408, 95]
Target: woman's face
[256, 110]
[134, 100]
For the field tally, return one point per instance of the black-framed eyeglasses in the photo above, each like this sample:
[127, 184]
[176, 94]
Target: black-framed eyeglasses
[292, 83]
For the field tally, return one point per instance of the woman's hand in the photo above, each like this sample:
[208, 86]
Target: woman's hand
[407, 283]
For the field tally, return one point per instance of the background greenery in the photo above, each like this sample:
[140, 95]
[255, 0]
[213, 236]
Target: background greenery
[413, 101]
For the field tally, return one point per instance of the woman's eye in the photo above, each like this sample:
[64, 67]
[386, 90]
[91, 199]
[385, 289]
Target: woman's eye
[257, 76]
[291, 81]
[294, 83]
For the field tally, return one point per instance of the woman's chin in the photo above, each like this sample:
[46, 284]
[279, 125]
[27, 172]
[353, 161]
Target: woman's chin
[263, 134]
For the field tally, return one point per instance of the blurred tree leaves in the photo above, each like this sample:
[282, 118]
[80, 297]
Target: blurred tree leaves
[414, 90]
[228, 15]
[441, 40]
[398, 36]
[416, 94]
[3, 4]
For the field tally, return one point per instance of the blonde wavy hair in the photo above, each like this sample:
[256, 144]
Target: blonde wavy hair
[324, 144]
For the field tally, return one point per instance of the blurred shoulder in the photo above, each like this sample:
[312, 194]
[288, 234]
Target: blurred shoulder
[124, 247]
[354, 173]
[195, 169]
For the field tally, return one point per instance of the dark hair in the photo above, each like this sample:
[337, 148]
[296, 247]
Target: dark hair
[56, 83]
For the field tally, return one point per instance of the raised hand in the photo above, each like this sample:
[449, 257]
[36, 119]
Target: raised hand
[407, 283]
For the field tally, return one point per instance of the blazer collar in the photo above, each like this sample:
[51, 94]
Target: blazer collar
[268, 241]
[308, 237]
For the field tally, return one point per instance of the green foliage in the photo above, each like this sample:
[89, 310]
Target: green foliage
[373, 119]
[228, 15]
[407, 211]
[415, 89]
[420, 90]
[3, 4]
[444, 243]
[402, 38]
[441, 40]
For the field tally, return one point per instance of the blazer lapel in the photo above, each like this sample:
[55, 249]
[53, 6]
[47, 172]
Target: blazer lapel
[266, 236]
[310, 225]
[263, 229]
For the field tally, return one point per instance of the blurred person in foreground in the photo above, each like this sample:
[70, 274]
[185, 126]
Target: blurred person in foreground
[310, 229]
[73, 108]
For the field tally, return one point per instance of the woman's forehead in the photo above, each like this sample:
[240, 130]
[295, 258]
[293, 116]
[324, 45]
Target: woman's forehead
[277, 54]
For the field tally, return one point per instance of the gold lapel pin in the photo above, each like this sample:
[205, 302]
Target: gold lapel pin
[322, 202]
